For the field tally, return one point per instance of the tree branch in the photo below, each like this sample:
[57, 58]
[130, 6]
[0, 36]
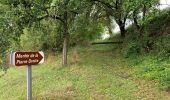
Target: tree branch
[50, 16]
[43, 17]
[106, 4]
[125, 17]
[56, 17]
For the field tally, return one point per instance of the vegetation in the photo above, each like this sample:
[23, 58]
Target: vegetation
[135, 67]
[108, 77]
[152, 50]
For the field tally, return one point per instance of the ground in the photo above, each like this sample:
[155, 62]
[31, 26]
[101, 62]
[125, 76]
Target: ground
[93, 73]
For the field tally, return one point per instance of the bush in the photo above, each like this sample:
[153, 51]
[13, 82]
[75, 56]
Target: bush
[132, 44]
[133, 49]
[4, 46]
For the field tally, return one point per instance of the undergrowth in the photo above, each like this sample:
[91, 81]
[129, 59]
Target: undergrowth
[149, 51]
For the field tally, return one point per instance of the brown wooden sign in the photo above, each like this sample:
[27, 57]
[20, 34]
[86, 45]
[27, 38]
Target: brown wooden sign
[27, 58]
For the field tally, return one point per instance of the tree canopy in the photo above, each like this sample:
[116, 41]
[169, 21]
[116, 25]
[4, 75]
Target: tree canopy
[60, 23]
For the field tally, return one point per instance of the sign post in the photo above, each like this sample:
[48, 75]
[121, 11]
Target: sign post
[28, 59]
[29, 82]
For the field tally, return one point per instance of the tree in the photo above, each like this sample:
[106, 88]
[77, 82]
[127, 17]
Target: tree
[6, 35]
[143, 7]
[121, 10]
[117, 10]
[83, 31]
[28, 12]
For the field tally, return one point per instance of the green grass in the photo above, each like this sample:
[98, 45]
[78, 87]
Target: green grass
[99, 74]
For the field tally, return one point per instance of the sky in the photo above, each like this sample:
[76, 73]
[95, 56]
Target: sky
[164, 2]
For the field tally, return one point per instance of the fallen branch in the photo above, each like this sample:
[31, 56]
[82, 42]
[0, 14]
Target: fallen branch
[119, 42]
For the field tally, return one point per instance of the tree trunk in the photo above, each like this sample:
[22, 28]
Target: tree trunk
[65, 42]
[65, 45]
[136, 23]
[144, 10]
[135, 19]
[122, 29]
[66, 33]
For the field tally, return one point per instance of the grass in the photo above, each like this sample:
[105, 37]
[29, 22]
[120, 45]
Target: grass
[96, 73]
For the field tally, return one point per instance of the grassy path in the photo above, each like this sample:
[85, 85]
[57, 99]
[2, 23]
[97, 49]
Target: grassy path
[97, 74]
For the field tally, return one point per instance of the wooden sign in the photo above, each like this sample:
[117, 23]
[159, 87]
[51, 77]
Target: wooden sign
[27, 58]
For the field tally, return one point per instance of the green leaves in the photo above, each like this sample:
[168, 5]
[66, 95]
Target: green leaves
[84, 31]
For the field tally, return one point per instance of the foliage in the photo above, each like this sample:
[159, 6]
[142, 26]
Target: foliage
[4, 45]
[163, 47]
[25, 15]
[153, 37]
[6, 35]
[83, 31]
[46, 37]
[150, 52]
[122, 10]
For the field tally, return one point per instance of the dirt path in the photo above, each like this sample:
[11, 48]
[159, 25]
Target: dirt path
[98, 74]
[144, 89]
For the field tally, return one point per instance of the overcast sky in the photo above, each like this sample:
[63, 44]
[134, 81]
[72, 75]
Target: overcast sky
[164, 2]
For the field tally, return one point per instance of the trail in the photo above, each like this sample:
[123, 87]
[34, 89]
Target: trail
[99, 73]
[145, 89]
